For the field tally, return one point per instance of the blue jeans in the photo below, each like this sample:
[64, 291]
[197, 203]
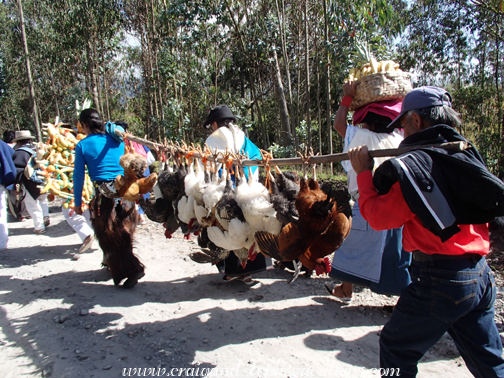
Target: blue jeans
[454, 296]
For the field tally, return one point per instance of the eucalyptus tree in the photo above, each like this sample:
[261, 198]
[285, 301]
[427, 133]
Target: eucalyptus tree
[28, 70]
[458, 44]
[343, 26]
[88, 28]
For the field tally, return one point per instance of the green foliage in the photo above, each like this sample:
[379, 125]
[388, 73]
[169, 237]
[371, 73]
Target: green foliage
[193, 55]
[482, 124]
[281, 151]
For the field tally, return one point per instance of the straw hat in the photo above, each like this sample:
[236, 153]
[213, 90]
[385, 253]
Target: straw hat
[22, 135]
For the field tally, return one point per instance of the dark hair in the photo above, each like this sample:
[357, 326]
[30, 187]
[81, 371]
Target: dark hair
[8, 136]
[123, 124]
[379, 122]
[22, 142]
[93, 121]
[225, 122]
[439, 115]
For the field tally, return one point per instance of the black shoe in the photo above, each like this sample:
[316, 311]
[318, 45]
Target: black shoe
[133, 279]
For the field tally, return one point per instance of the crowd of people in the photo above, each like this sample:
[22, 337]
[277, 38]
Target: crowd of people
[418, 230]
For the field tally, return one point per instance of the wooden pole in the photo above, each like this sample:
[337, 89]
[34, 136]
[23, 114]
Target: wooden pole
[453, 146]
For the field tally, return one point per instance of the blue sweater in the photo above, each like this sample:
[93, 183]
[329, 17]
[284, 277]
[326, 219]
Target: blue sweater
[7, 167]
[252, 151]
[101, 154]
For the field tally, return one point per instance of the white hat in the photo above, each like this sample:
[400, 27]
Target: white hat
[22, 135]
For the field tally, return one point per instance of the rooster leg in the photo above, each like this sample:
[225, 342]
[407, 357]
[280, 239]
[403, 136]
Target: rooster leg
[297, 270]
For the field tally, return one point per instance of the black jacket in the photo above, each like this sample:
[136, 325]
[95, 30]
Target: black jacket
[443, 188]
[21, 159]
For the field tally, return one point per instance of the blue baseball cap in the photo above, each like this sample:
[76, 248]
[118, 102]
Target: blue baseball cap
[419, 98]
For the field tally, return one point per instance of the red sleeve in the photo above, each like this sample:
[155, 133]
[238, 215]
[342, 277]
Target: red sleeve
[383, 212]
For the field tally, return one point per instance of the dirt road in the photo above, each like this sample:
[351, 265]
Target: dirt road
[61, 316]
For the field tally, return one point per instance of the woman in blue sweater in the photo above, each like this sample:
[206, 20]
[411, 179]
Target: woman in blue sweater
[113, 222]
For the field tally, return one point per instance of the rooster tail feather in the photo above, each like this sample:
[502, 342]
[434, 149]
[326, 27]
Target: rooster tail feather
[200, 257]
[208, 256]
[268, 244]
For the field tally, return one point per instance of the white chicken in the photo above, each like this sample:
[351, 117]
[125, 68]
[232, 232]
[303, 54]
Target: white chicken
[185, 209]
[194, 182]
[214, 190]
[233, 239]
[252, 197]
[194, 185]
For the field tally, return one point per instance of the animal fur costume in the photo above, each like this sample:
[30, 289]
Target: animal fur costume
[114, 221]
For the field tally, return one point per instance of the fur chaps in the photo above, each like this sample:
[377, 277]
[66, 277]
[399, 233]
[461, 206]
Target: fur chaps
[114, 227]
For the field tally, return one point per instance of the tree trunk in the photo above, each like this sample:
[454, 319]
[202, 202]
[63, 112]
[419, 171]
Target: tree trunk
[215, 80]
[282, 104]
[297, 113]
[319, 116]
[96, 66]
[281, 17]
[105, 87]
[146, 77]
[54, 89]
[264, 127]
[500, 129]
[307, 67]
[28, 70]
[154, 54]
[328, 83]
[92, 79]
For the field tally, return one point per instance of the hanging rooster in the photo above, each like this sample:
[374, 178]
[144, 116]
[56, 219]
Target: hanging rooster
[159, 206]
[320, 230]
[194, 184]
[232, 232]
[209, 253]
[283, 194]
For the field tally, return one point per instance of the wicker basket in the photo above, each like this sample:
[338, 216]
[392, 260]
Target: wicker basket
[380, 87]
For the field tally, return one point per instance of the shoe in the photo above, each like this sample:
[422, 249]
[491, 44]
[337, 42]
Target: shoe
[88, 242]
[133, 279]
[47, 221]
[142, 220]
[21, 219]
[330, 289]
[42, 231]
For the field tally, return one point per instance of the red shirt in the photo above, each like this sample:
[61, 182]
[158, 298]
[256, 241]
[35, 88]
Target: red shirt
[384, 212]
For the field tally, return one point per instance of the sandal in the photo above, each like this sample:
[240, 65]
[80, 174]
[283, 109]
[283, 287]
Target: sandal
[279, 265]
[330, 289]
[227, 278]
[247, 280]
[42, 231]
[86, 244]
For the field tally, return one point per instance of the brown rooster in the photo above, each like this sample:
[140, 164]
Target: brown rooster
[320, 230]
[132, 184]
